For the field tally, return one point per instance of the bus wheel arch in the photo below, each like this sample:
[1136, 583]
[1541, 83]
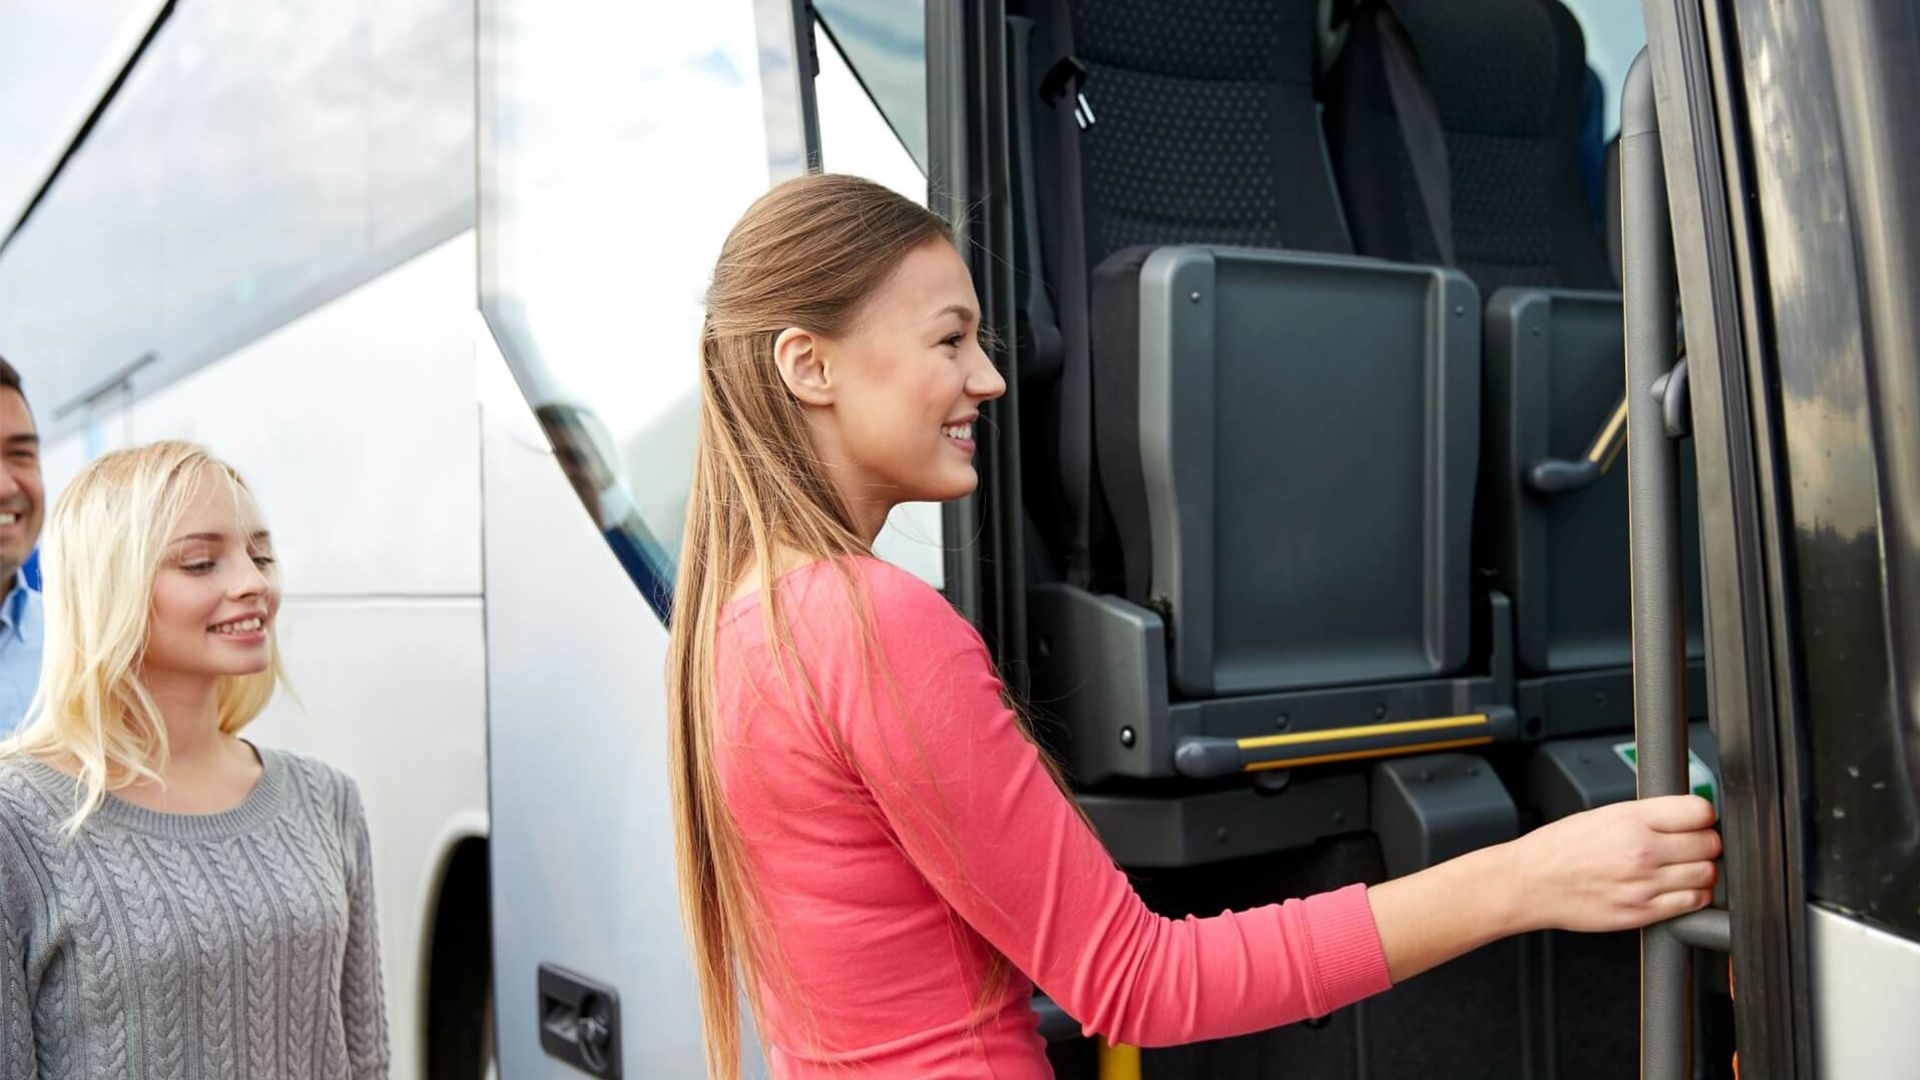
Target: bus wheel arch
[457, 992]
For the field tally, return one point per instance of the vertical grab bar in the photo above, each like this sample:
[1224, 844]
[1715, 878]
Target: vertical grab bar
[1659, 646]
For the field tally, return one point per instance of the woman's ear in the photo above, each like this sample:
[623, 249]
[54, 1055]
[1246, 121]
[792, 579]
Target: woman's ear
[803, 366]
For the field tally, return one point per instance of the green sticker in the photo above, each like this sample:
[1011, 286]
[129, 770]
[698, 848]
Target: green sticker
[1700, 779]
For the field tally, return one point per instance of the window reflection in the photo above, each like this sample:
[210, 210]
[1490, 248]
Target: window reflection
[258, 161]
[614, 157]
[885, 43]
[55, 60]
[586, 453]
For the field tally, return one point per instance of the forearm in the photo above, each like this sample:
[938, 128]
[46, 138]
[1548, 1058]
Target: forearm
[1615, 868]
[1430, 917]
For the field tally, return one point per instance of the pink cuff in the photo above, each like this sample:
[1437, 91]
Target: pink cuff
[1347, 961]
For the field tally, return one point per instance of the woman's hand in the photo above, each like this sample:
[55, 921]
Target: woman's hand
[1614, 868]
[1619, 867]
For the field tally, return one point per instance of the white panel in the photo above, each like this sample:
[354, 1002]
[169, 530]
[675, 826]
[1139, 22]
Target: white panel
[583, 871]
[59, 461]
[109, 426]
[356, 426]
[393, 692]
[911, 541]
[1866, 994]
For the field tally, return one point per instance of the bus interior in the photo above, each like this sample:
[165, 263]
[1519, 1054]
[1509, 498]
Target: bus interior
[1321, 572]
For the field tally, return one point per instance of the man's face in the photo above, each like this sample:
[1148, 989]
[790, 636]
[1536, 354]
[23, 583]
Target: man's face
[22, 500]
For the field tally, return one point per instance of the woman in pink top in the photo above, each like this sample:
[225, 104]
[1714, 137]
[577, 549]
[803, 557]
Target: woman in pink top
[869, 839]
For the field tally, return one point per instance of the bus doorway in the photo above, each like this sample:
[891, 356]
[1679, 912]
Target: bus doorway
[1307, 523]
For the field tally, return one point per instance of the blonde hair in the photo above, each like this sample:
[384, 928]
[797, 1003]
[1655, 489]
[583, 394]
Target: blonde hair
[101, 553]
[807, 254]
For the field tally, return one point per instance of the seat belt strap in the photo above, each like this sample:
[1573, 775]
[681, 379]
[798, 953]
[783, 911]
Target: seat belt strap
[1420, 130]
[1063, 88]
[1039, 330]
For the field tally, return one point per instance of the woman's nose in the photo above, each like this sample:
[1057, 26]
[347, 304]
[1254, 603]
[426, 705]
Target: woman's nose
[985, 381]
[251, 581]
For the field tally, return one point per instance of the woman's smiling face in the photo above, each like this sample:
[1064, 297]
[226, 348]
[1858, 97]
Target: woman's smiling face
[904, 387]
[217, 592]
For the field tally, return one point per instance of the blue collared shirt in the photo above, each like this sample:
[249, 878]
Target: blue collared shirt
[21, 631]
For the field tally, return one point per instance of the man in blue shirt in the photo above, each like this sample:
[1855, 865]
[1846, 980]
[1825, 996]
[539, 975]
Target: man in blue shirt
[22, 501]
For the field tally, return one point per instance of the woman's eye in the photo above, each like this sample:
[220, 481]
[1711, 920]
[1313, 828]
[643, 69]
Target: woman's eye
[263, 561]
[198, 567]
[952, 341]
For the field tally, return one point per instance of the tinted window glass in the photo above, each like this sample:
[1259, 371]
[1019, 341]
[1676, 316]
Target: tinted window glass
[259, 160]
[1862, 820]
[885, 43]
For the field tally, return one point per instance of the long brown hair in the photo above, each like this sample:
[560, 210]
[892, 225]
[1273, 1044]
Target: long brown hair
[807, 254]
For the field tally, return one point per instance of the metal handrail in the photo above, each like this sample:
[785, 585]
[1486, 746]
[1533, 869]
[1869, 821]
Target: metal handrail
[1708, 928]
[1653, 485]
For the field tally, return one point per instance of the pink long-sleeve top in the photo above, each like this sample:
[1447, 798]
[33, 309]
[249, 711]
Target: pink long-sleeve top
[902, 832]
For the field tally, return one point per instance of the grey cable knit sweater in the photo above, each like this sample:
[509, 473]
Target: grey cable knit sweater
[235, 945]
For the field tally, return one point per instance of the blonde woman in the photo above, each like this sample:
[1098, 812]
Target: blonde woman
[174, 901]
[866, 833]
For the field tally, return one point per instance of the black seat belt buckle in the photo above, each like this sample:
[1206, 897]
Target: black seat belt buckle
[1068, 74]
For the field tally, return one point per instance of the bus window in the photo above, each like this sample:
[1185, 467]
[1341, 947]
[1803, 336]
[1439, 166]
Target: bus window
[247, 171]
[1615, 33]
[885, 44]
[58, 59]
[613, 160]
[871, 89]
[1845, 513]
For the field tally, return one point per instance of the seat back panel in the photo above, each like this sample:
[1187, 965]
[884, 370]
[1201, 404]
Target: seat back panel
[1307, 433]
[1554, 377]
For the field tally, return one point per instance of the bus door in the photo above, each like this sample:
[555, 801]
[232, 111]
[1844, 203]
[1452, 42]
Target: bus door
[1779, 136]
[617, 144]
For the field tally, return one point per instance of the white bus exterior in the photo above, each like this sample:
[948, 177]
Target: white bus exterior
[267, 243]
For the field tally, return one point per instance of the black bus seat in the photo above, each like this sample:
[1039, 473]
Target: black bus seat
[1263, 654]
[1512, 93]
[1284, 438]
[1509, 80]
[1560, 551]
[1295, 493]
